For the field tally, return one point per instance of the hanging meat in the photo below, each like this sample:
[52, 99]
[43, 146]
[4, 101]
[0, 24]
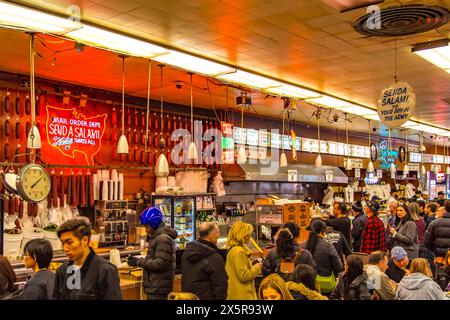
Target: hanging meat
[21, 204]
[82, 186]
[54, 190]
[90, 190]
[7, 104]
[69, 190]
[28, 106]
[114, 117]
[75, 192]
[7, 130]
[17, 106]
[62, 189]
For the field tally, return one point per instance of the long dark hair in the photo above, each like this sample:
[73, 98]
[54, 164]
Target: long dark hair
[317, 226]
[355, 268]
[7, 276]
[306, 275]
[285, 244]
[407, 216]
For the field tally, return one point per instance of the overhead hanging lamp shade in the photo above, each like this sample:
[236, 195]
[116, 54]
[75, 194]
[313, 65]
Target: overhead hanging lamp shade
[349, 165]
[405, 169]
[393, 169]
[122, 145]
[318, 161]
[192, 151]
[370, 167]
[423, 171]
[34, 138]
[422, 148]
[283, 160]
[241, 155]
[448, 170]
[162, 166]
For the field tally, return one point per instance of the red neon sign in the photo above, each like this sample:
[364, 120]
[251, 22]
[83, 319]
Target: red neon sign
[71, 132]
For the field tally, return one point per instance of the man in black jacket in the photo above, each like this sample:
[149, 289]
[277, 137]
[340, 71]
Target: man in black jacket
[359, 223]
[160, 263]
[341, 223]
[86, 276]
[203, 266]
[437, 236]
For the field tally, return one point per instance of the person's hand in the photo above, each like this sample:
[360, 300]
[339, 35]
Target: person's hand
[392, 231]
[132, 261]
[407, 272]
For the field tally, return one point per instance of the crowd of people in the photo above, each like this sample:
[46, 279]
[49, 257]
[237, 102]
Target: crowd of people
[362, 258]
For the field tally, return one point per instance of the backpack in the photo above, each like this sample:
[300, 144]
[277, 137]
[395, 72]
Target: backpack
[287, 266]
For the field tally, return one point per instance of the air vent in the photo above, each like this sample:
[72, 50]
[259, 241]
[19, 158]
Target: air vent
[403, 20]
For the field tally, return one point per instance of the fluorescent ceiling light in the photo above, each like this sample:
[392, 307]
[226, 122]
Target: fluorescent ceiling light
[360, 111]
[436, 52]
[429, 129]
[330, 102]
[194, 64]
[249, 79]
[293, 91]
[19, 17]
[372, 117]
[100, 38]
[409, 124]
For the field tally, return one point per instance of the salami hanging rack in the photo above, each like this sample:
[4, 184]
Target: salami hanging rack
[122, 145]
[34, 138]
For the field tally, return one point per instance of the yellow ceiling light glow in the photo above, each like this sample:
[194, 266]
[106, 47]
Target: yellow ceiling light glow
[249, 79]
[100, 38]
[436, 52]
[23, 18]
[287, 90]
[360, 111]
[330, 102]
[194, 64]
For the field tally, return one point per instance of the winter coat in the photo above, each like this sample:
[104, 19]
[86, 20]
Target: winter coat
[343, 225]
[407, 238]
[203, 271]
[272, 260]
[418, 286]
[357, 290]
[437, 236]
[359, 222]
[339, 242]
[374, 236]
[384, 287]
[421, 227]
[40, 286]
[443, 278]
[17, 294]
[300, 292]
[99, 280]
[160, 263]
[241, 274]
[327, 259]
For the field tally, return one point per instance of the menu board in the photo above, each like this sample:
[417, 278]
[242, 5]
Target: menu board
[358, 151]
[252, 137]
[306, 144]
[286, 142]
[415, 157]
[332, 147]
[438, 158]
[341, 148]
[252, 152]
[239, 135]
[447, 159]
[366, 152]
[298, 143]
[275, 140]
[323, 146]
[314, 145]
[428, 158]
[262, 153]
[263, 138]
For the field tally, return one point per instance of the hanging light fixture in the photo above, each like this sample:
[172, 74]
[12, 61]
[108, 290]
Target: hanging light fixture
[34, 137]
[318, 161]
[370, 168]
[422, 149]
[283, 158]
[192, 150]
[122, 144]
[392, 168]
[405, 167]
[242, 155]
[147, 115]
[349, 164]
[162, 166]
[436, 168]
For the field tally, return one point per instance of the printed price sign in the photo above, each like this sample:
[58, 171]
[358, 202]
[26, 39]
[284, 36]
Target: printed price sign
[292, 175]
[379, 174]
[357, 173]
[328, 176]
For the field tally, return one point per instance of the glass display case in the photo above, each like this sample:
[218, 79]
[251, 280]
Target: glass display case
[179, 213]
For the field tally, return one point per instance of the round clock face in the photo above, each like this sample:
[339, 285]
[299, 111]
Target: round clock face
[373, 152]
[401, 154]
[33, 183]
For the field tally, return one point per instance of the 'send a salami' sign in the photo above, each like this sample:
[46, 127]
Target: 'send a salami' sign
[74, 134]
[396, 104]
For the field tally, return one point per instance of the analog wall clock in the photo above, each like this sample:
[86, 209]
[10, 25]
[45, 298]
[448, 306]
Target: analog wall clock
[33, 183]
[373, 152]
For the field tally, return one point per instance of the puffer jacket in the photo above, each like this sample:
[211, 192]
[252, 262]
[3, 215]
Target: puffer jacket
[203, 271]
[418, 286]
[359, 223]
[159, 264]
[272, 260]
[357, 290]
[326, 258]
[437, 236]
[407, 238]
[300, 292]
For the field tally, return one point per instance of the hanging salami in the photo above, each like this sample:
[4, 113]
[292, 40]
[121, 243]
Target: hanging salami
[62, 189]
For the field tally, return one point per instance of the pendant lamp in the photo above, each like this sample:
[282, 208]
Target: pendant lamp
[241, 155]
[349, 164]
[34, 138]
[370, 167]
[192, 150]
[393, 169]
[122, 144]
[147, 114]
[423, 170]
[318, 161]
[447, 171]
[162, 166]
[405, 167]
[283, 158]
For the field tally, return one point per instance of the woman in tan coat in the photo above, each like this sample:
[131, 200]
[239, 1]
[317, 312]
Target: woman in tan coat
[241, 272]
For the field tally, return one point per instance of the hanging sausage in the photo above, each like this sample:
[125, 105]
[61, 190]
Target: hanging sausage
[54, 190]
[69, 190]
[90, 190]
[18, 106]
[82, 185]
[28, 106]
[7, 104]
[62, 190]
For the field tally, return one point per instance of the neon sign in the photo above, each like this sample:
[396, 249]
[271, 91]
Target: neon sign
[387, 157]
[71, 132]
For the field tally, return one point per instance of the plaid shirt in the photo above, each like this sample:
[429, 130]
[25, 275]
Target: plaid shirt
[373, 237]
